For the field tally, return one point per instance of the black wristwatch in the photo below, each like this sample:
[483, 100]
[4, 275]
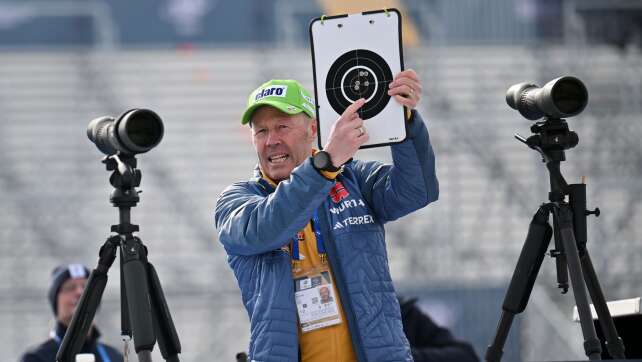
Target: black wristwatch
[322, 162]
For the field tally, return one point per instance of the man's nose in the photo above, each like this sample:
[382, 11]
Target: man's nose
[272, 139]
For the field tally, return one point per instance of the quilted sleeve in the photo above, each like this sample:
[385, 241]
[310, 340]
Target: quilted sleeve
[250, 223]
[410, 183]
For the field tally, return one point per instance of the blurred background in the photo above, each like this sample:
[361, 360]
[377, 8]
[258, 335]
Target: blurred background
[63, 63]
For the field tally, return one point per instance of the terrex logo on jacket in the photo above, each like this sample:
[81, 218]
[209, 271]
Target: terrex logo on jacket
[346, 210]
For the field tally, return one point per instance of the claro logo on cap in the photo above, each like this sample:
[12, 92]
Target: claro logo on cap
[307, 98]
[274, 91]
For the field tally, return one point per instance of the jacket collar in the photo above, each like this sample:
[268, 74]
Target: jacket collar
[61, 329]
[263, 182]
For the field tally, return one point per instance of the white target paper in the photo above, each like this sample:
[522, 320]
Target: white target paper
[356, 56]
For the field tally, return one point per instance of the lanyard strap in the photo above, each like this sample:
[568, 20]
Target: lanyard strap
[295, 248]
[104, 356]
[317, 233]
[103, 353]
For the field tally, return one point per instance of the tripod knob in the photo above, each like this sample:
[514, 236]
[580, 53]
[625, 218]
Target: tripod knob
[595, 212]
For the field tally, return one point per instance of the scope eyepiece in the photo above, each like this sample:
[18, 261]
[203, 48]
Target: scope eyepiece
[561, 97]
[135, 131]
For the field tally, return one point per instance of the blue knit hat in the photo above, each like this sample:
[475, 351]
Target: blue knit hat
[60, 275]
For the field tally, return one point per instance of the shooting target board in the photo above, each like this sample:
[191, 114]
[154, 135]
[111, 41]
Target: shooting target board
[356, 56]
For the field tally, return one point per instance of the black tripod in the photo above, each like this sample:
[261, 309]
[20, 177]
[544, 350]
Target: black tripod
[551, 138]
[144, 312]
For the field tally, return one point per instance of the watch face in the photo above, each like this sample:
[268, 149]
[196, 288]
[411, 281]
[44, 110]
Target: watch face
[321, 160]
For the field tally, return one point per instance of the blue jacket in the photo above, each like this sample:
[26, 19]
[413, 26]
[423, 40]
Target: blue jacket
[46, 351]
[255, 220]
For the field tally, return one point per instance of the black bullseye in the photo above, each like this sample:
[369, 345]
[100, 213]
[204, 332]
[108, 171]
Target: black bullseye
[358, 74]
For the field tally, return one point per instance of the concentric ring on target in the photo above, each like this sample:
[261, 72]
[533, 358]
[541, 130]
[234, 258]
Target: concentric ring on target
[359, 73]
[364, 77]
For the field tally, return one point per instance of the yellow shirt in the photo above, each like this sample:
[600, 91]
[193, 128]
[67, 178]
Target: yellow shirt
[332, 343]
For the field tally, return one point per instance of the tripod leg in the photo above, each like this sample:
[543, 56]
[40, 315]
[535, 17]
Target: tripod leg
[614, 343]
[563, 218]
[168, 341]
[135, 274]
[125, 326]
[86, 310]
[145, 356]
[577, 199]
[521, 285]
[560, 261]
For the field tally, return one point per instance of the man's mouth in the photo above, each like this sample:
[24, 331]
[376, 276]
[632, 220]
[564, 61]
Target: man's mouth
[280, 158]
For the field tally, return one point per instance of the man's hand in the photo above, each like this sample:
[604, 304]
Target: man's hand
[347, 135]
[406, 88]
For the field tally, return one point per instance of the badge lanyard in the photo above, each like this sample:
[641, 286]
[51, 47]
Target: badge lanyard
[296, 258]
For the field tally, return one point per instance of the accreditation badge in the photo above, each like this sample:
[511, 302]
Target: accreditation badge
[315, 301]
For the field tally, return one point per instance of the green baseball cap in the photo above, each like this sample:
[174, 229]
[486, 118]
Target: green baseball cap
[286, 95]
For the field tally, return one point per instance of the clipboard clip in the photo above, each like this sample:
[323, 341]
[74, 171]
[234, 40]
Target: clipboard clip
[322, 18]
[386, 12]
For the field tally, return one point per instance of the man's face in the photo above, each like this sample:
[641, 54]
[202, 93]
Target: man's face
[324, 293]
[68, 298]
[282, 141]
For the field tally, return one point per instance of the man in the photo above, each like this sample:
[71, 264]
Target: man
[311, 218]
[67, 285]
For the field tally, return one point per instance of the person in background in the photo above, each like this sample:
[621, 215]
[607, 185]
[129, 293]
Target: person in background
[430, 342]
[67, 285]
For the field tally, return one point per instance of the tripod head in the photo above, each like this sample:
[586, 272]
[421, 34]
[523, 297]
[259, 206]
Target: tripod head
[124, 178]
[551, 139]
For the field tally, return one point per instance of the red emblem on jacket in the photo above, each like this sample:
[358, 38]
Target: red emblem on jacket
[338, 192]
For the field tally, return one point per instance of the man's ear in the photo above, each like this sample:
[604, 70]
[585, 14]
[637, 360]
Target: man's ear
[313, 129]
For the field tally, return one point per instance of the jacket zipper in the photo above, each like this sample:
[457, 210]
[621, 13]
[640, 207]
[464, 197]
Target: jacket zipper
[346, 303]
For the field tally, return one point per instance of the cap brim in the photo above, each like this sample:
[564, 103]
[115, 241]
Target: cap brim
[281, 106]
